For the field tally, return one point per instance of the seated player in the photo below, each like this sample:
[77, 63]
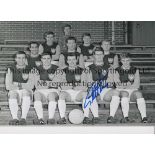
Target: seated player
[129, 88]
[67, 33]
[71, 48]
[50, 46]
[73, 86]
[46, 90]
[34, 57]
[87, 47]
[109, 57]
[19, 82]
[101, 79]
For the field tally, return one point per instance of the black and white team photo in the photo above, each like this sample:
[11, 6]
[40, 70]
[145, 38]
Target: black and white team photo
[83, 73]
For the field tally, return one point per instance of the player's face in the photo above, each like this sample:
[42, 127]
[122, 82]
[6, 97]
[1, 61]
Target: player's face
[34, 49]
[86, 39]
[105, 45]
[72, 61]
[50, 38]
[98, 56]
[110, 60]
[71, 45]
[46, 60]
[125, 62]
[20, 59]
[67, 31]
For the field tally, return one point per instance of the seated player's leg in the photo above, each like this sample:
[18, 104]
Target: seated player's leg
[52, 98]
[13, 105]
[63, 97]
[137, 96]
[26, 102]
[38, 100]
[125, 105]
[82, 97]
[113, 97]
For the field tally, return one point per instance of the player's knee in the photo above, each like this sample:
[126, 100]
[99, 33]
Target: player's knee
[62, 96]
[124, 94]
[138, 94]
[25, 93]
[52, 96]
[37, 96]
[84, 94]
[115, 92]
[13, 95]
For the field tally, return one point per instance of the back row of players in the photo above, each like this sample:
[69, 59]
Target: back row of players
[57, 74]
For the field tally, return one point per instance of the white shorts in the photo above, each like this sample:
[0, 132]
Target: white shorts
[130, 91]
[20, 94]
[46, 92]
[104, 92]
[73, 93]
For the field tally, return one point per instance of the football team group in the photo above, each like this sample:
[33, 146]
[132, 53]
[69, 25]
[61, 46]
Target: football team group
[57, 72]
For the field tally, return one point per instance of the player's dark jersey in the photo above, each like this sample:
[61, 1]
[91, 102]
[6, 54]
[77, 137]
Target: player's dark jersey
[44, 74]
[124, 74]
[20, 75]
[85, 49]
[73, 76]
[47, 48]
[107, 57]
[32, 61]
[99, 72]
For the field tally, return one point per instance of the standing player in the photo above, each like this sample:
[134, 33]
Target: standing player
[71, 48]
[34, 57]
[109, 57]
[19, 82]
[73, 85]
[129, 88]
[87, 47]
[103, 79]
[67, 33]
[46, 89]
[50, 46]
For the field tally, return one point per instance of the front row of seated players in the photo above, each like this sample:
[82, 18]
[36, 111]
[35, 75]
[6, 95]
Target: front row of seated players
[70, 84]
[122, 84]
[51, 85]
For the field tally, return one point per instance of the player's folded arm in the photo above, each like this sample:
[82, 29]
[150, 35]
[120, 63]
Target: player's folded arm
[9, 81]
[30, 83]
[136, 83]
[57, 54]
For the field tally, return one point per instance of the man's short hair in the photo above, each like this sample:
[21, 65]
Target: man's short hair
[33, 42]
[86, 34]
[71, 38]
[20, 52]
[98, 49]
[44, 54]
[67, 25]
[125, 55]
[70, 54]
[107, 41]
[48, 33]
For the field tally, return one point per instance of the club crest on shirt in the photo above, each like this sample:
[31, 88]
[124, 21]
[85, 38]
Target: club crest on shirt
[77, 77]
[104, 72]
[25, 76]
